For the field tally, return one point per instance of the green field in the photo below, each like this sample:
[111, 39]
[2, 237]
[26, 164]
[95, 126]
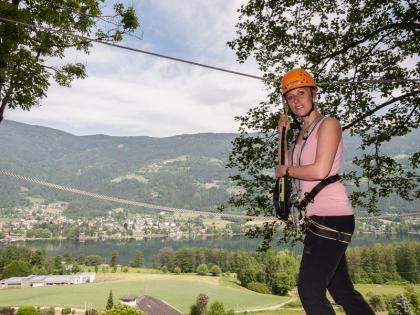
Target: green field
[177, 290]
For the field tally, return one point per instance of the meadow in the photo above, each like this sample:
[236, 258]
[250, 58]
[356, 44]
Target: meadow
[177, 290]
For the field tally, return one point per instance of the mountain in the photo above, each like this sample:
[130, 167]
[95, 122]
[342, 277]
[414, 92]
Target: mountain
[185, 171]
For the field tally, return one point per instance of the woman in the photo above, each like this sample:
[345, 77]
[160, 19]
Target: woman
[316, 155]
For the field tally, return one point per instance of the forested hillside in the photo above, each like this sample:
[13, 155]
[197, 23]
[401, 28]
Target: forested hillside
[185, 171]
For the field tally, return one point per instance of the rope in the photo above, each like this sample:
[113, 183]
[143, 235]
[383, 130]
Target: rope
[125, 201]
[60, 31]
[164, 208]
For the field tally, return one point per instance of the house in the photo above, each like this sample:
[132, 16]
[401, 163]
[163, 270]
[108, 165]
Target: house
[150, 305]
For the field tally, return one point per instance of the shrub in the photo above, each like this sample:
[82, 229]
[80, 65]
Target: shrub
[177, 270]
[66, 310]
[165, 269]
[376, 301]
[124, 269]
[27, 310]
[202, 269]
[7, 311]
[259, 287]
[215, 270]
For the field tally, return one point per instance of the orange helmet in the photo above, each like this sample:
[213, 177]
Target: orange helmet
[296, 78]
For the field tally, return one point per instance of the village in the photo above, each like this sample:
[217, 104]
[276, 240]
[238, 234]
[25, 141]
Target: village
[39, 222]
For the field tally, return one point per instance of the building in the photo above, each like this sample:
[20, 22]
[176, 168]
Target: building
[34, 281]
[150, 305]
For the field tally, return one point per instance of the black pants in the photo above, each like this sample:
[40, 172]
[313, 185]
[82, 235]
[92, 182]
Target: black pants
[324, 266]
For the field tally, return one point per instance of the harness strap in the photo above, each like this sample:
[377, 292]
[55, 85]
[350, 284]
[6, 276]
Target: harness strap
[329, 233]
[310, 196]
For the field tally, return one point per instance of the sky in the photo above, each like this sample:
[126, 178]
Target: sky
[132, 94]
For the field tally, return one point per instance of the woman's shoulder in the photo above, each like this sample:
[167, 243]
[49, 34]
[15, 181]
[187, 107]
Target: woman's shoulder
[330, 123]
[329, 126]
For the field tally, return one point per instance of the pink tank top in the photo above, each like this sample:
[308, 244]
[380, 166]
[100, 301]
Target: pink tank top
[332, 200]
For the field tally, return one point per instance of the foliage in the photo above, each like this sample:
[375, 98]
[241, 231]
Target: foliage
[26, 65]
[217, 308]
[165, 269]
[110, 301]
[121, 309]
[338, 41]
[283, 283]
[194, 310]
[114, 257]
[66, 310]
[412, 293]
[27, 310]
[16, 268]
[259, 287]
[385, 263]
[201, 301]
[7, 311]
[93, 260]
[138, 259]
[202, 269]
[215, 270]
[177, 270]
[401, 306]
[376, 301]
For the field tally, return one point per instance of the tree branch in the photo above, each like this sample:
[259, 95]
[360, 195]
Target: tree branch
[373, 110]
[413, 26]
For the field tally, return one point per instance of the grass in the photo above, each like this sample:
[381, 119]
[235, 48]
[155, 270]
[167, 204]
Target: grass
[177, 290]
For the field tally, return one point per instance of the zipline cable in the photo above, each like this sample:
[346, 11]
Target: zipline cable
[164, 208]
[60, 31]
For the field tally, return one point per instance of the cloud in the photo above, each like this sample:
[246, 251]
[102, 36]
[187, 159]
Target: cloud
[128, 93]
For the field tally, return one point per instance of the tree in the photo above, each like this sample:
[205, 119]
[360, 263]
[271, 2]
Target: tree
[16, 268]
[215, 270]
[27, 52]
[202, 269]
[402, 306]
[114, 257]
[138, 259]
[283, 283]
[342, 43]
[201, 302]
[413, 296]
[110, 301]
[121, 309]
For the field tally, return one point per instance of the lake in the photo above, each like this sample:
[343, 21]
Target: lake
[151, 247]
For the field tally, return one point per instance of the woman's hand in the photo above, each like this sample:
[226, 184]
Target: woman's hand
[281, 170]
[283, 122]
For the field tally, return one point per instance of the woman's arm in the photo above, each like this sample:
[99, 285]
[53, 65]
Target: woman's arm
[329, 136]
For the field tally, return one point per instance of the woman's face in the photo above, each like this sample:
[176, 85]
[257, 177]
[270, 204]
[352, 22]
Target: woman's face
[300, 100]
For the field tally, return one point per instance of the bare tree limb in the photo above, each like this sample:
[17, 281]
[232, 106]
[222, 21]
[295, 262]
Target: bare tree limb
[411, 26]
[373, 110]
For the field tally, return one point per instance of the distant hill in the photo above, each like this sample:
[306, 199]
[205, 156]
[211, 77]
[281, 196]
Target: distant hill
[182, 171]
